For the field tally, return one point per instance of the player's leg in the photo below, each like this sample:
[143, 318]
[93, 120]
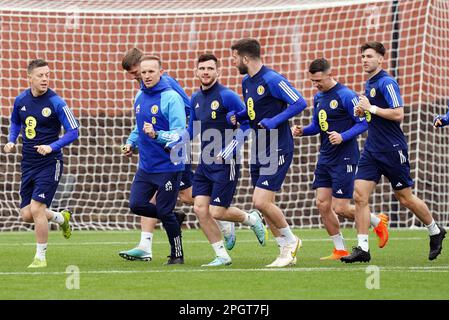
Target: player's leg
[46, 180]
[25, 214]
[26, 193]
[166, 197]
[143, 251]
[266, 184]
[223, 189]
[185, 191]
[368, 174]
[211, 231]
[362, 193]
[331, 223]
[436, 232]
[38, 211]
[263, 201]
[329, 181]
[224, 185]
[141, 191]
[185, 196]
[379, 222]
[342, 192]
[397, 170]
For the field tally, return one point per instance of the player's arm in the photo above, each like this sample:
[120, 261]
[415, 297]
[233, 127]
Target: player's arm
[14, 130]
[70, 124]
[192, 130]
[284, 91]
[234, 105]
[233, 117]
[173, 110]
[441, 121]
[312, 129]
[131, 143]
[350, 102]
[391, 93]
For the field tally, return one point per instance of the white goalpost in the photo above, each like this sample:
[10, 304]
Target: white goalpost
[84, 42]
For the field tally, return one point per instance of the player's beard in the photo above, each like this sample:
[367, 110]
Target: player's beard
[242, 68]
[208, 82]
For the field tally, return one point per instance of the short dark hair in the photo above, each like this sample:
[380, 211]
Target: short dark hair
[36, 63]
[131, 58]
[206, 57]
[376, 46]
[319, 65]
[247, 46]
[155, 58]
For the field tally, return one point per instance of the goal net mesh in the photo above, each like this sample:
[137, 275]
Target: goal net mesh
[84, 42]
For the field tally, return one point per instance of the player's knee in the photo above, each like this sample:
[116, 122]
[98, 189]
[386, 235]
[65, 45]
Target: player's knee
[134, 205]
[323, 205]
[360, 198]
[340, 210]
[142, 208]
[217, 212]
[261, 204]
[37, 209]
[186, 198]
[200, 210]
[26, 215]
[405, 201]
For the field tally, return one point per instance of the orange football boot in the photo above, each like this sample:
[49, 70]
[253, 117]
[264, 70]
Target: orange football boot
[382, 230]
[336, 255]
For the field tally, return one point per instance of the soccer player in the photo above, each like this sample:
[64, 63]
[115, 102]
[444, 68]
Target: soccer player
[385, 153]
[216, 179]
[334, 119]
[160, 119]
[441, 121]
[270, 102]
[143, 251]
[38, 114]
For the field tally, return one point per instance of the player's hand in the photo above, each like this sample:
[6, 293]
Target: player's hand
[43, 149]
[127, 150]
[149, 130]
[364, 103]
[438, 121]
[334, 137]
[297, 131]
[359, 112]
[231, 118]
[9, 147]
[266, 123]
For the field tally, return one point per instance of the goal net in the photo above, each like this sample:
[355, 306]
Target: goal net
[84, 42]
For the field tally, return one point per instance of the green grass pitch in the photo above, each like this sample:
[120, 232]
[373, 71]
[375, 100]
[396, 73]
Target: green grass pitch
[404, 270]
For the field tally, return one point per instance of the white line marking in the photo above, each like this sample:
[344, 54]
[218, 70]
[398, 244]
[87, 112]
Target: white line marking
[184, 241]
[230, 269]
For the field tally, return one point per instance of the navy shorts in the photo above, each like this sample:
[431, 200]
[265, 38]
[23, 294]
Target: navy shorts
[145, 185]
[394, 165]
[186, 178]
[218, 182]
[338, 177]
[271, 179]
[40, 183]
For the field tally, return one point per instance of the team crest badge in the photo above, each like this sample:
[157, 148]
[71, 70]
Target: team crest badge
[333, 104]
[138, 108]
[154, 109]
[372, 93]
[260, 90]
[214, 105]
[46, 112]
